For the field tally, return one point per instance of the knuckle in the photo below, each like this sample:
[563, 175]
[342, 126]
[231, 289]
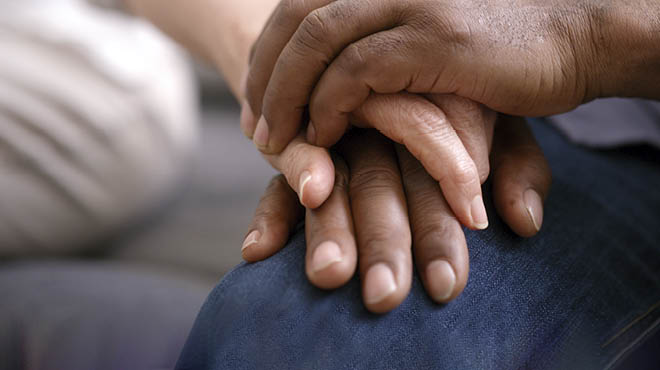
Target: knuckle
[465, 174]
[291, 10]
[444, 228]
[384, 242]
[268, 212]
[412, 172]
[374, 180]
[311, 36]
[352, 60]
[425, 121]
[447, 25]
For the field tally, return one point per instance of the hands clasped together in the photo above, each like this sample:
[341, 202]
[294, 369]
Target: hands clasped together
[429, 75]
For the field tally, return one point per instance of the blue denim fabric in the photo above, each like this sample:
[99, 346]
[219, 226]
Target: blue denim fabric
[580, 295]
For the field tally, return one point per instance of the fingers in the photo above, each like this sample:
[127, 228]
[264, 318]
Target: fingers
[439, 245]
[381, 220]
[331, 249]
[326, 28]
[277, 32]
[386, 63]
[474, 124]
[308, 169]
[521, 176]
[425, 130]
[277, 214]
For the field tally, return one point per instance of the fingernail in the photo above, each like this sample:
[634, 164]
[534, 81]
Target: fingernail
[534, 206]
[261, 133]
[379, 284]
[251, 239]
[247, 119]
[326, 254]
[441, 279]
[304, 179]
[479, 216]
[311, 133]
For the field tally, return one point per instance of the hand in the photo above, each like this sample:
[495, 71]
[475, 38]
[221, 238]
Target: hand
[222, 31]
[290, 58]
[457, 147]
[382, 199]
[521, 57]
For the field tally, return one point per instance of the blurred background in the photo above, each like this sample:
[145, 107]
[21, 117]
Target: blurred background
[200, 229]
[126, 188]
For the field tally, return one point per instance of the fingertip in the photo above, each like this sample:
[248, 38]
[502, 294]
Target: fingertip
[522, 211]
[251, 239]
[379, 288]
[261, 134]
[315, 185]
[265, 241]
[441, 281]
[305, 179]
[311, 133]
[247, 122]
[443, 260]
[478, 215]
[250, 244]
[325, 255]
[330, 267]
[534, 206]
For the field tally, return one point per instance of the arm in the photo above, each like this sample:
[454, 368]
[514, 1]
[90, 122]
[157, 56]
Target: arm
[221, 32]
[628, 40]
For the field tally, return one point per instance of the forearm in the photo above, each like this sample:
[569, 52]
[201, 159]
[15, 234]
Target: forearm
[219, 31]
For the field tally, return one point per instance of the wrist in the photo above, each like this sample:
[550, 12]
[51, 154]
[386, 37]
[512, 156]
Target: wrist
[230, 55]
[238, 30]
[627, 40]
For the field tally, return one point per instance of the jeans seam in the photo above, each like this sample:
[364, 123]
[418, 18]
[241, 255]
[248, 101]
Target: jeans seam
[633, 344]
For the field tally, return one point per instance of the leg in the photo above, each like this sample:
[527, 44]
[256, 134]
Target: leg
[579, 295]
[97, 121]
[81, 315]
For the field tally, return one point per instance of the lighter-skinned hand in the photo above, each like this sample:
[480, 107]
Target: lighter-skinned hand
[451, 133]
[382, 203]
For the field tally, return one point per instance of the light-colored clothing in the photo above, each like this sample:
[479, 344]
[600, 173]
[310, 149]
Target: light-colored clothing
[98, 116]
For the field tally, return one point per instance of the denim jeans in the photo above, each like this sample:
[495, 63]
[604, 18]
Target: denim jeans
[582, 294]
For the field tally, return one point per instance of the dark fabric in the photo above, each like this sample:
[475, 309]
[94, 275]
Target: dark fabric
[84, 315]
[580, 295]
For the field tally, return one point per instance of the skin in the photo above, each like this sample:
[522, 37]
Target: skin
[520, 57]
[339, 191]
[386, 179]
